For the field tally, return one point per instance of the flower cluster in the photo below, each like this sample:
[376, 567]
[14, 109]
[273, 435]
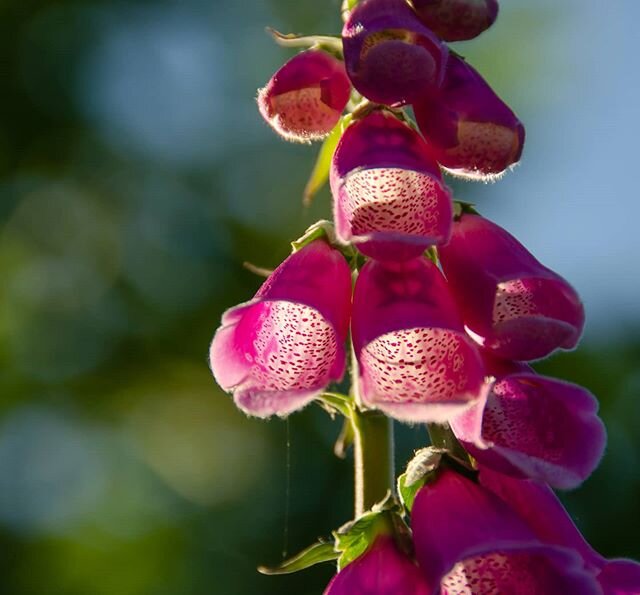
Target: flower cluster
[443, 315]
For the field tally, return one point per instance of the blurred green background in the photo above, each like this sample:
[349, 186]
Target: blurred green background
[135, 178]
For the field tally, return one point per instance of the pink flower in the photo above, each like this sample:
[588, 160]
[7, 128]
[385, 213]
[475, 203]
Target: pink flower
[391, 57]
[415, 362]
[381, 570]
[470, 130]
[533, 427]
[457, 20]
[389, 197]
[467, 540]
[304, 100]
[510, 303]
[278, 351]
[538, 506]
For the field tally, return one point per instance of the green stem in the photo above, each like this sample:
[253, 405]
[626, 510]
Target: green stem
[373, 453]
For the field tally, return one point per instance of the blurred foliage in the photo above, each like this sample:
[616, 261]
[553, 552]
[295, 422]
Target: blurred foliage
[135, 178]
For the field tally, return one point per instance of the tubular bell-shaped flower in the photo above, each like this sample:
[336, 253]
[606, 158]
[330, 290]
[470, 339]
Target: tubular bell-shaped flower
[533, 427]
[389, 197]
[470, 130]
[415, 362]
[391, 57]
[457, 20]
[382, 570]
[303, 101]
[467, 540]
[511, 304]
[278, 351]
[540, 508]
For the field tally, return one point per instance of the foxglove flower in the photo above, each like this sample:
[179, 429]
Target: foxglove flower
[389, 197]
[415, 362]
[457, 20]
[470, 130]
[391, 57]
[467, 540]
[381, 570]
[511, 304]
[278, 351]
[304, 100]
[539, 507]
[533, 427]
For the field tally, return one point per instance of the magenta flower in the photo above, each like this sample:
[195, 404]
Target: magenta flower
[381, 570]
[467, 540]
[278, 351]
[539, 507]
[304, 100]
[389, 197]
[470, 130]
[415, 362]
[457, 20]
[391, 57]
[511, 304]
[533, 427]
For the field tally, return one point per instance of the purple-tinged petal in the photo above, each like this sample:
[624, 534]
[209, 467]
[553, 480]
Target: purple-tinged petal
[511, 304]
[469, 129]
[390, 56]
[457, 20]
[620, 577]
[303, 101]
[381, 570]
[544, 514]
[534, 427]
[415, 362]
[281, 349]
[389, 196]
[467, 540]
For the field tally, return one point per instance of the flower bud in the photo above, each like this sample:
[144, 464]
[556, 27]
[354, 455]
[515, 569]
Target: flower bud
[531, 426]
[304, 100]
[457, 20]
[382, 570]
[391, 57]
[511, 304]
[470, 130]
[416, 364]
[280, 350]
[389, 197]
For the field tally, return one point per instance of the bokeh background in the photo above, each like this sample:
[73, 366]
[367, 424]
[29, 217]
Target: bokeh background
[135, 178]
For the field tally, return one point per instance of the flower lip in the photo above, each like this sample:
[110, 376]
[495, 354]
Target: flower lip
[278, 351]
[390, 56]
[389, 196]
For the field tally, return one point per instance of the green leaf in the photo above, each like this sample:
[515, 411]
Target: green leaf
[337, 402]
[461, 206]
[323, 551]
[419, 470]
[320, 229]
[320, 172]
[329, 43]
[354, 538]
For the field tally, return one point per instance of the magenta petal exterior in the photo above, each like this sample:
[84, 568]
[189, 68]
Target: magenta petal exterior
[511, 304]
[389, 196]
[457, 20]
[390, 56]
[467, 540]
[382, 570]
[535, 427]
[544, 514]
[304, 100]
[281, 349]
[415, 362]
[469, 129]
